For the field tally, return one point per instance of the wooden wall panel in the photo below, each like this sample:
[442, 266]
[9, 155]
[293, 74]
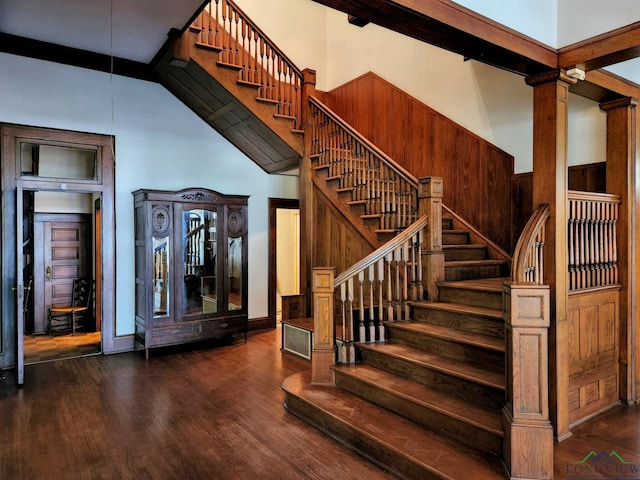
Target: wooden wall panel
[336, 243]
[593, 354]
[476, 175]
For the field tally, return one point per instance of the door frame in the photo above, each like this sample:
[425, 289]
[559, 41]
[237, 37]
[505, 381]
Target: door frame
[274, 205]
[103, 186]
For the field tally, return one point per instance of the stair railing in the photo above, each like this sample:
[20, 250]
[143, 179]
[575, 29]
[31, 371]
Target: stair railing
[527, 266]
[384, 188]
[593, 255]
[376, 289]
[224, 27]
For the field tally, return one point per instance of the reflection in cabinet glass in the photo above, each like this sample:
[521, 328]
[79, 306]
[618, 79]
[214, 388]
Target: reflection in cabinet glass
[191, 266]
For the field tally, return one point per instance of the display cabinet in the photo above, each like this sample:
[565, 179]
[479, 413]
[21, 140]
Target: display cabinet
[190, 266]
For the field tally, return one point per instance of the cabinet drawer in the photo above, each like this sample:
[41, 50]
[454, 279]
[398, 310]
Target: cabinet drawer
[223, 326]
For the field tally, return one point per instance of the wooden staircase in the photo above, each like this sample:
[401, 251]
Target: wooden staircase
[250, 102]
[427, 402]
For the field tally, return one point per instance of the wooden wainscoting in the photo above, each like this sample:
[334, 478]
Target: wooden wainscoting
[593, 318]
[476, 174]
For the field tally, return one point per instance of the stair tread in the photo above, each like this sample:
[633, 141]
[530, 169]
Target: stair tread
[480, 284]
[457, 368]
[447, 404]
[487, 261]
[463, 246]
[406, 439]
[484, 341]
[461, 308]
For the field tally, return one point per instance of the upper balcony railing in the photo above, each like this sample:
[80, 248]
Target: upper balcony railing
[223, 27]
[592, 225]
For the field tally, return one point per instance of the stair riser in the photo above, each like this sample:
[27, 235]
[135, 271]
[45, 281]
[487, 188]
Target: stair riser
[455, 238]
[470, 323]
[472, 272]
[447, 223]
[470, 297]
[446, 348]
[349, 435]
[458, 430]
[457, 254]
[463, 388]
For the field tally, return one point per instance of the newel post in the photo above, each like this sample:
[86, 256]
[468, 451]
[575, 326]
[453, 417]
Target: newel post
[323, 356]
[528, 433]
[430, 204]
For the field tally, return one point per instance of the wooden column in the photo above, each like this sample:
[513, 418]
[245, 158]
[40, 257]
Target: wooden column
[323, 356]
[305, 189]
[430, 204]
[623, 178]
[528, 433]
[550, 119]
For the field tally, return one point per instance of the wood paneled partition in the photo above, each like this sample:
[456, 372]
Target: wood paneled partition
[476, 174]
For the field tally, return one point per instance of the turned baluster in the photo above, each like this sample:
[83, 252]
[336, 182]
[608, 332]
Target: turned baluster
[405, 276]
[387, 263]
[572, 266]
[372, 307]
[380, 296]
[361, 330]
[343, 312]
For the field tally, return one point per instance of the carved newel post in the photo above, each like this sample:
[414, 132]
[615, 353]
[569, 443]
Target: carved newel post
[528, 433]
[323, 356]
[430, 204]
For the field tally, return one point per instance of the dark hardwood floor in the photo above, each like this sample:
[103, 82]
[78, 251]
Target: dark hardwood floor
[203, 413]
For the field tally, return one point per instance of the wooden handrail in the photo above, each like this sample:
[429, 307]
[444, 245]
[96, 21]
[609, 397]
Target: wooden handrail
[224, 27]
[527, 266]
[365, 141]
[377, 288]
[383, 251]
[385, 189]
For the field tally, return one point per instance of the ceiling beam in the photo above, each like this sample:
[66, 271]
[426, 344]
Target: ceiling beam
[450, 26]
[612, 47]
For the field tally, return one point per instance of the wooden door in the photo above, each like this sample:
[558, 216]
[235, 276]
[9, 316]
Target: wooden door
[61, 258]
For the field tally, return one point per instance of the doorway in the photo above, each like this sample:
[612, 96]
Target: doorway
[42, 169]
[60, 233]
[284, 254]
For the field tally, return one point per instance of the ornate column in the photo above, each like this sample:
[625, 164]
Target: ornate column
[623, 178]
[430, 204]
[550, 124]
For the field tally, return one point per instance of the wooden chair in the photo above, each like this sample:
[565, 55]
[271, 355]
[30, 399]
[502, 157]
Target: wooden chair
[70, 317]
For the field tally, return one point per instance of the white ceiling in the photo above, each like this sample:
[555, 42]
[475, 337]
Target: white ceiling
[130, 29]
[137, 29]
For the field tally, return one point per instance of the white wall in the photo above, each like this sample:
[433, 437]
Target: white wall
[159, 144]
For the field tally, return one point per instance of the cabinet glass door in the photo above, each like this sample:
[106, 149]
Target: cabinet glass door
[161, 277]
[235, 273]
[199, 251]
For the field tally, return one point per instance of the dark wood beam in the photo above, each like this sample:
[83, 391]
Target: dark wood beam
[602, 86]
[606, 49]
[28, 47]
[457, 29]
